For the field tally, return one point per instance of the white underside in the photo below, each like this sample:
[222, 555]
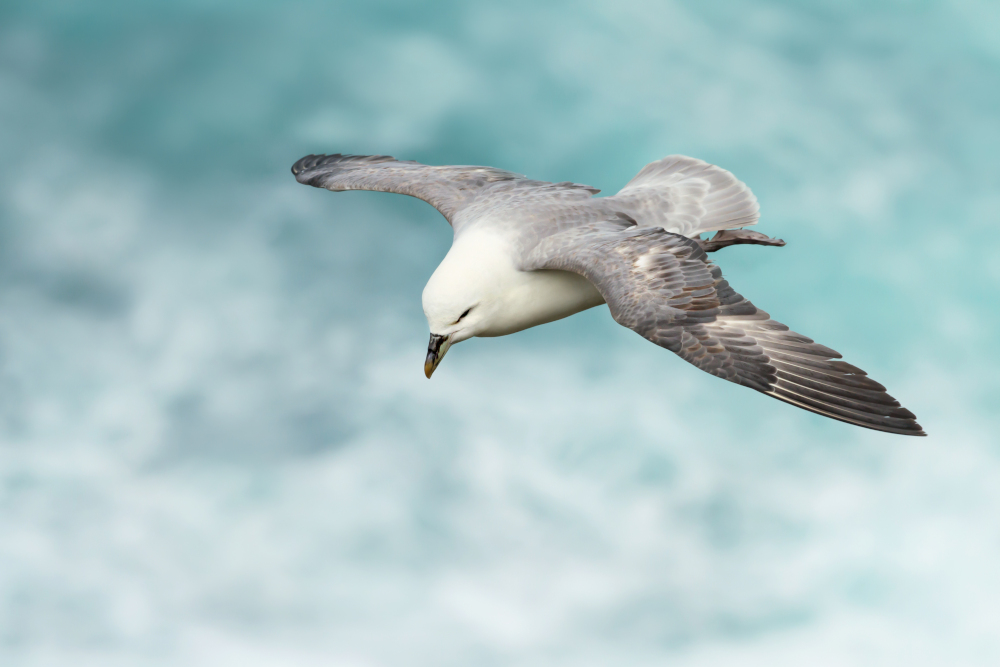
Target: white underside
[480, 272]
[538, 297]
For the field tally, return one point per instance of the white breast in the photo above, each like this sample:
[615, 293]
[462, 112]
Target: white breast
[537, 297]
[480, 269]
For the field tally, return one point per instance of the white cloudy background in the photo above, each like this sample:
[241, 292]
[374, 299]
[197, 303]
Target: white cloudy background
[217, 445]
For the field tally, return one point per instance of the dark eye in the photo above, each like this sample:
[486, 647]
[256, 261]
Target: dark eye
[463, 315]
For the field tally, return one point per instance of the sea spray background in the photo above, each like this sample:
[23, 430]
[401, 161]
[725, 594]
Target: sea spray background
[216, 442]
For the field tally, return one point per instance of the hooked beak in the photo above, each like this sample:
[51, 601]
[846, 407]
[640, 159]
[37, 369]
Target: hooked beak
[436, 349]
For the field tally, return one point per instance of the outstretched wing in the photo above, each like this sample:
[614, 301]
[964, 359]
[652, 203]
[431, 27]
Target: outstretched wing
[685, 195]
[450, 189]
[662, 286]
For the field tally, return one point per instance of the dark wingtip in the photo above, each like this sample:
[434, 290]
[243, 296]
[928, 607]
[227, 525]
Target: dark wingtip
[913, 428]
[305, 163]
[301, 169]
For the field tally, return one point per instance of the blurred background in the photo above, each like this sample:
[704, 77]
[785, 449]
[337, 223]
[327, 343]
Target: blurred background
[217, 445]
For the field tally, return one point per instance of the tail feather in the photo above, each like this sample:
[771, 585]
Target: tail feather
[687, 196]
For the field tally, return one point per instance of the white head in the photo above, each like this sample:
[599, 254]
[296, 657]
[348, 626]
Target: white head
[465, 295]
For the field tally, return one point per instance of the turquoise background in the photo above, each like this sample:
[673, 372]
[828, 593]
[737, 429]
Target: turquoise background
[217, 445]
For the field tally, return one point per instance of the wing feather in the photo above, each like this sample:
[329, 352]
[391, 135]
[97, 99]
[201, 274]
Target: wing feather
[662, 286]
[450, 189]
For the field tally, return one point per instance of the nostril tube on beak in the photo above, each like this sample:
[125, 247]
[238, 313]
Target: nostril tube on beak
[436, 349]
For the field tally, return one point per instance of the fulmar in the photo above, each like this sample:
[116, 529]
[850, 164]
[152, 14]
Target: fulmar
[528, 252]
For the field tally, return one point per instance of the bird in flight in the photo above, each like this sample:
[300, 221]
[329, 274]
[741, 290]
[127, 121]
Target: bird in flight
[529, 252]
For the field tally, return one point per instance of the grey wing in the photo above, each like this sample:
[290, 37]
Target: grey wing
[662, 286]
[450, 189]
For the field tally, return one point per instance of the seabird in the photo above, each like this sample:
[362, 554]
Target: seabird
[528, 252]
